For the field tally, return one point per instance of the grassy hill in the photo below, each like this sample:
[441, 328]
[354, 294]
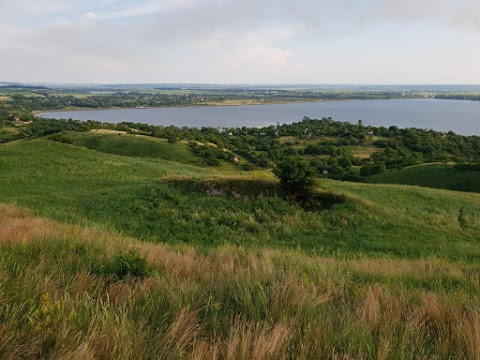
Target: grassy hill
[71, 292]
[163, 201]
[106, 256]
[7, 133]
[120, 143]
[55, 177]
[431, 175]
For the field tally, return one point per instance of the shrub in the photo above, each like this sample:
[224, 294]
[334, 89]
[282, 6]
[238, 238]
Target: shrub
[297, 179]
[129, 263]
[376, 168]
[61, 138]
[172, 139]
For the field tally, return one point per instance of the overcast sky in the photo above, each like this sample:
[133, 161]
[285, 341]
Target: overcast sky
[247, 41]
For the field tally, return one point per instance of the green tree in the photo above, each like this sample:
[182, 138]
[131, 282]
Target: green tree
[297, 178]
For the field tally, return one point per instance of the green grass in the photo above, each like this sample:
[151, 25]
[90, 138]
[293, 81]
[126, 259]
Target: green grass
[55, 178]
[131, 145]
[229, 269]
[7, 133]
[431, 175]
[80, 293]
[133, 195]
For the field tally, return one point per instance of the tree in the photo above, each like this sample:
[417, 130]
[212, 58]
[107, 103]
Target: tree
[297, 178]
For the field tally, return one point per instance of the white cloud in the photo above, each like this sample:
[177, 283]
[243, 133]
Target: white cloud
[239, 41]
[146, 9]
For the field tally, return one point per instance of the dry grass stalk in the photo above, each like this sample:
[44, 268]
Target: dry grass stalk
[258, 342]
[369, 310]
[181, 335]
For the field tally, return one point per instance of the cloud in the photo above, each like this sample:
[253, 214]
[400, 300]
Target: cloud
[236, 41]
[458, 14]
[146, 9]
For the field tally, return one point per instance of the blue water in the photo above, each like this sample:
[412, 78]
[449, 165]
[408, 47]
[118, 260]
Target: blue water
[462, 117]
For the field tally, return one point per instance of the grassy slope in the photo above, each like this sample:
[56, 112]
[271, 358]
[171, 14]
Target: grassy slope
[431, 175]
[59, 300]
[132, 145]
[7, 133]
[55, 178]
[129, 195]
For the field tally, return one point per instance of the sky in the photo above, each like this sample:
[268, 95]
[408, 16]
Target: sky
[241, 42]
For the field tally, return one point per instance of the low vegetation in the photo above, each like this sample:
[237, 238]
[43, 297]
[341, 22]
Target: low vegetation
[129, 145]
[438, 176]
[136, 242]
[164, 201]
[162, 302]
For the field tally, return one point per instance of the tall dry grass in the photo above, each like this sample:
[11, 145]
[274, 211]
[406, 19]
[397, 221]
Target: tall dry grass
[228, 303]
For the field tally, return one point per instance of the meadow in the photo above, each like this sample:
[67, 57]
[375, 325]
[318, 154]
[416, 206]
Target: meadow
[438, 176]
[120, 143]
[71, 292]
[162, 201]
[107, 253]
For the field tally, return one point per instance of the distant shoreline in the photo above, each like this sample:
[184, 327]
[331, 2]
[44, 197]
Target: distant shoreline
[38, 112]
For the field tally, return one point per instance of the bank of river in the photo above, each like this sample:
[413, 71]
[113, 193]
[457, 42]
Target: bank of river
[462, 117]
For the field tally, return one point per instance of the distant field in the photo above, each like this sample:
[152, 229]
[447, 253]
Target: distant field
[7, 133]
[431, 175]
[108, 131]
[287, 139]
[120, 143]
[5, 98]
[9, 129]
[362, 152]
[76, 95]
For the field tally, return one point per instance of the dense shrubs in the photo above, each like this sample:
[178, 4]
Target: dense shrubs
[297, 178]
[211, 155]
[376, 168]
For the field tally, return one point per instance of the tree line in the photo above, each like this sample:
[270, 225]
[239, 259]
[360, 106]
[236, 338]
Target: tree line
[325, 145]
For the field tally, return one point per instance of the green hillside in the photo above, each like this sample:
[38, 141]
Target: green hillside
[163, 201]
[55, 177]
[105, 256]
[431, 175]
[71, 292]
[119, 143]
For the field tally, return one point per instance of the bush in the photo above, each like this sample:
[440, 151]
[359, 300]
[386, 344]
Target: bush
[129, 263]
[297, 179]
[61, 138]
[376, 168]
